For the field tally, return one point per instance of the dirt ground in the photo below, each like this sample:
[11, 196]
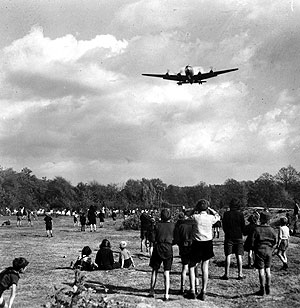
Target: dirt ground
[50, 259]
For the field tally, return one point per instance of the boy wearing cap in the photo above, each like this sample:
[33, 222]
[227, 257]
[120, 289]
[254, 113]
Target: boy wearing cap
[162, 251]
[202, 246]
[125, 258]
[263, 240]
[9, 278]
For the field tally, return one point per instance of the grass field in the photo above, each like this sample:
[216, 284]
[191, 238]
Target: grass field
[50, 259]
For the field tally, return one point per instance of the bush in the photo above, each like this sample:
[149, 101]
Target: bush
[131, 223]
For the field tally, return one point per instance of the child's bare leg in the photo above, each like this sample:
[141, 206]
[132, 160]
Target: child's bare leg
[239, 259]
[268, 276]
[167, 283]
[227, 265]
[153, 280]
[192, 279]
[184, 271]
[204, 268]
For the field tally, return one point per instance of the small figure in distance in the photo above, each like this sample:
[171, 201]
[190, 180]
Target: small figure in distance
[233, 227]
[125, 258]
[283, 242]
[6, 223]
[82, 219]
[105, 257]
[9, 279]
[263, 240]
[84, 261]
[48, 222]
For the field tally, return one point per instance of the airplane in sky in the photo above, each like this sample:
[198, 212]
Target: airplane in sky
[189, 75]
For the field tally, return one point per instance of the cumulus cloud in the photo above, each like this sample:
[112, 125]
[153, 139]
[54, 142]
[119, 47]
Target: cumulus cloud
[81, 109]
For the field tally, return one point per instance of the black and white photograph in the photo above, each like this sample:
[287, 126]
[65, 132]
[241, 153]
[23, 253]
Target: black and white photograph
[149, 153]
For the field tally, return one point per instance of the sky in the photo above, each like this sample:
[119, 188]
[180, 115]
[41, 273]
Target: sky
[74, 103]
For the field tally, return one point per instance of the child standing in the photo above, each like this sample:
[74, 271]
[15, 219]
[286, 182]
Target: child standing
[248, 231]
[84, 262]
[9, 278]
[105, 257]
[82, 219]
[48, 222]
[125, 258]
[183, 237]
[162, 251]
[283, 242]
[263, 239]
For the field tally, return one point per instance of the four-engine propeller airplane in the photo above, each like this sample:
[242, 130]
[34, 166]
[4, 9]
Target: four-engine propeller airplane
[189, 76]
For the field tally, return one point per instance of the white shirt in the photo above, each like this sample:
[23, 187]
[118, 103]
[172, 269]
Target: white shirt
[284, 233]
[202, 229]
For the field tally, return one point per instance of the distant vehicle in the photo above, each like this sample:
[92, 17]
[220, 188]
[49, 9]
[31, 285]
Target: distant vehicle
[189, 76]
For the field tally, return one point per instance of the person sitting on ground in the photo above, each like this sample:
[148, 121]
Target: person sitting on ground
[263, 240]
[105, 258]
[9, 279]
[162, 251]
[125, 258]
[6, 223]
[84, 262]
[283, 242]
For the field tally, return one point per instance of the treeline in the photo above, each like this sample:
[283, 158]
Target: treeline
[24, 189]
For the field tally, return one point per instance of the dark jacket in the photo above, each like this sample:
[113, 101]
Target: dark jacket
[233, 225]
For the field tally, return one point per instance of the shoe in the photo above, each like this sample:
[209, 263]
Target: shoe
[224, 277]
[267, 289]
[241, 277]
[201, 296]
[190, 295]
[261, 292]
[165, 299]
[151, 294]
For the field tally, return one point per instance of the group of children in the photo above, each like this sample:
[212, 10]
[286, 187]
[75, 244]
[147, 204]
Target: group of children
[104, 258]
[193, 233]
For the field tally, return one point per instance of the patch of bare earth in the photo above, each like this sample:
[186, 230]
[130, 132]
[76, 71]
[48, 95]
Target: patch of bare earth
[50, 259]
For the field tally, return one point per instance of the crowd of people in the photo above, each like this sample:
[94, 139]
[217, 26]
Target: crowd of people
[193, 232]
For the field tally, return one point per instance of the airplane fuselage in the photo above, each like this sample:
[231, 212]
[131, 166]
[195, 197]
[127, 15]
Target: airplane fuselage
[189, 72]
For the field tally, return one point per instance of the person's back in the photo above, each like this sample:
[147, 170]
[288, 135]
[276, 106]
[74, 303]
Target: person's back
[183, 233]
[263, 236]
[233, 224]
[104, 258]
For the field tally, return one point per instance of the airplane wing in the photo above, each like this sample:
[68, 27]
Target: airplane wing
[201, 76]
[178, 77]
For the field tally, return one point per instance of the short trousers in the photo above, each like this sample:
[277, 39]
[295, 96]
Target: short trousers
[48, 228]
[233, 247]
[185, 254]
[263, 257]
[201, 251]
[156, 260]
[283, 246]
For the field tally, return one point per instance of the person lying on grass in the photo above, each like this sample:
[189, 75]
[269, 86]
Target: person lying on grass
[9, 279]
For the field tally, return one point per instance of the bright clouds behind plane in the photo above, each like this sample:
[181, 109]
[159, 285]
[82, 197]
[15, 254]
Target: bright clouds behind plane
[74, 104]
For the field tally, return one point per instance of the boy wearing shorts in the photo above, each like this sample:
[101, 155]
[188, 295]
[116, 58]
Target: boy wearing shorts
[162, 251]
[283, 242]
[263, 240]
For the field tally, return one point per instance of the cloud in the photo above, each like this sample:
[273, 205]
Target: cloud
[36, 66]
